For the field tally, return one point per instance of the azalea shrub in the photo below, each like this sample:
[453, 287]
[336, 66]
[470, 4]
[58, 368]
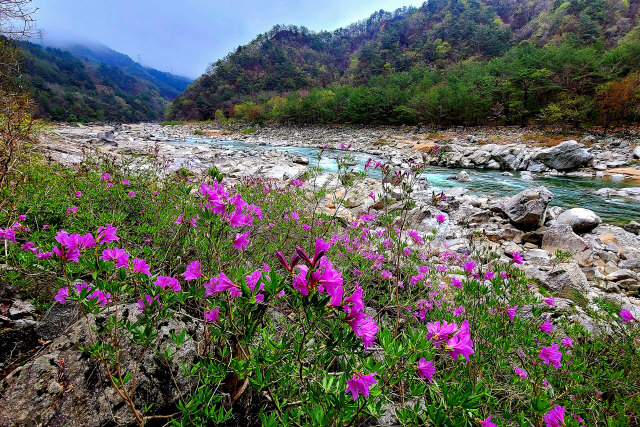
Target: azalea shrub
[308, 316]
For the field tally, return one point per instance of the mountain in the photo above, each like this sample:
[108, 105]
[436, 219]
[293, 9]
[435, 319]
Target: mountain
[94, 82]
[446, 62]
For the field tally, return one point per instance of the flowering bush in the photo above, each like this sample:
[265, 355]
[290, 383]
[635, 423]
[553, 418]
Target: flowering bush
[309, 319]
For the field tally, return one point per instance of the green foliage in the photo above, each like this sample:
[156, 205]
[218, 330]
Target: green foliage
[89, 86]
[445, 63]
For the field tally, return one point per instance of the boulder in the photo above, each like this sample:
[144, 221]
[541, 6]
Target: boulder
[565, 156]
[636, 152]
[35, 393]
[561, 236]
[581, 220]
[108, 136]
[565, 279]
[527, 210]
[463, 176]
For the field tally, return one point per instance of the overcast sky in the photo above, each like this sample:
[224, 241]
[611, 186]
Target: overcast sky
[185, 36]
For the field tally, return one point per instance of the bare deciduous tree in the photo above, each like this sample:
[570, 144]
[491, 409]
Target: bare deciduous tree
[17, 126]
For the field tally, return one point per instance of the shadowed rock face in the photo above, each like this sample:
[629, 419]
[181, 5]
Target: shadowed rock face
[35, 393]
[565, 156]
[527, 209]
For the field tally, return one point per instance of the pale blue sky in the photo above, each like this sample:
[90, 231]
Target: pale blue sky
[184, 36]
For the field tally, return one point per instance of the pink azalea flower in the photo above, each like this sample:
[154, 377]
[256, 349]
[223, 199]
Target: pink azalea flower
[285, 264]
[193, 271]
[386, 274]
[213, 315]
[626, 316]
[321, 248]
[131, 194]
[549, 301]
[426, 369]
[546, 327]
[460, 342]
[44, 255]
[517, 258]
[105, 177]
[168, 282]
[78, 194]
[356, 271]
[363, 326]
[551, 355]
[555, 417]
[520, 372]
[489, 275]
[125, 181]
[221, 284]
[354, 302]
[103, 297]
[511, 312]
[456, 282]
[469, 266]
[360, 383]
[148, 301]
[567, 342]
[242, 241]
[106, 234]
[67, 254]
[487, 422]
[441, 218]
[72, 210]
[63, 294]
[440, 332]
[141, 266]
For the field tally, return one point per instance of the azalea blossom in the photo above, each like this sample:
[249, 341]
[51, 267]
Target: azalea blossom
[626, 316]
[241, 242]
[360, 383]
[517, 258]
[213, 315]
[193, 271]
[567, 342]
[220, 284]
[460, 342]
[555, 417]
[168, 282]
[106, 234]
[141, 266]
[549, 301]
[519, 372]
[511, 312]
[546, 327]
[551, 355]
[63, 294]
[487, 422]
[441, 218]
[426, 369]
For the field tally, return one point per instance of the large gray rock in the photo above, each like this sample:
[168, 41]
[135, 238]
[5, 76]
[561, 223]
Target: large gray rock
[463, 176]
[561, 236]
[565, 279]
[35, 393]
[581, 220]
[527, 210]
[636, 152]
[564, 156]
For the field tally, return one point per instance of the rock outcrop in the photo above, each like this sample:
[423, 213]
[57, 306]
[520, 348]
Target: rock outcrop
[63, 387]
[564, 156]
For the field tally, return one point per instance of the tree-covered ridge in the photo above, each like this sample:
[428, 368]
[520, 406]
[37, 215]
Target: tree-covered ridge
[77, 87]
[398, 63]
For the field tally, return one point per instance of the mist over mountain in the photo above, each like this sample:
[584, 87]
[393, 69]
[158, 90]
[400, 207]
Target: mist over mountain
[87, 81]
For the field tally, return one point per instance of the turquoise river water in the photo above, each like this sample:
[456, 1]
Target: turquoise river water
[568, 192]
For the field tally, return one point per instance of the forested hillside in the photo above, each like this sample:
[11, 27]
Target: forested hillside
[447, 62]
[89, 84]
